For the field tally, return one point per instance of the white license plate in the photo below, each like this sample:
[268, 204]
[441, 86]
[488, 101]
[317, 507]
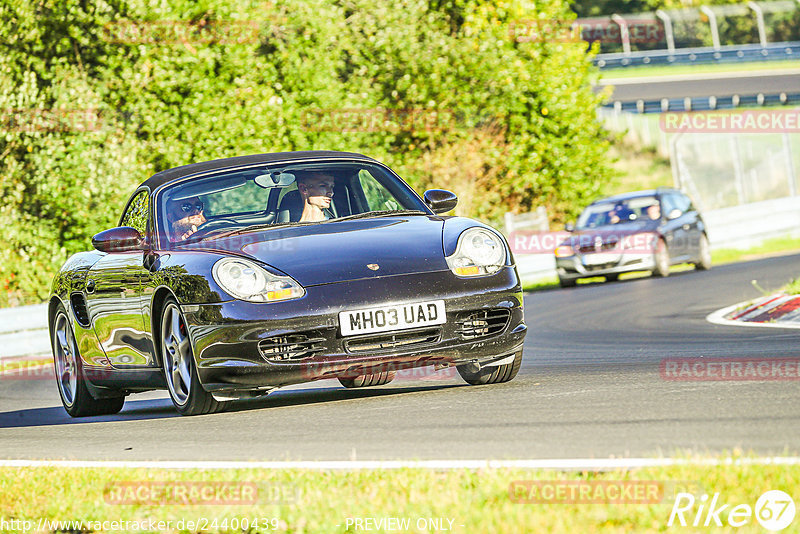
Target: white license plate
[387, 318]
[600, 258]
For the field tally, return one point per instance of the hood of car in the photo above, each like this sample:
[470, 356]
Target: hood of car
[609, 234]
[338, 251]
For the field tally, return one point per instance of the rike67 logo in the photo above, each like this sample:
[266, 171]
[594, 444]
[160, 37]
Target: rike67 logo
[774, 510]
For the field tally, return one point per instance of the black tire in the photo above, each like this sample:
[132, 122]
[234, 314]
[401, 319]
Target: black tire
[363, 381]
[68, 367]
[177, 362]
[661, 260]
[704, 261]
[612, 277]
[492, 375]
[566, 282]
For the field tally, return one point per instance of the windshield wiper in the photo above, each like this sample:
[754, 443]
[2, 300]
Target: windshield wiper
[254, 227]
[381, 213]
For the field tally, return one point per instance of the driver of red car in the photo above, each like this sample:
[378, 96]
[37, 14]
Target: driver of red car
[184, 217]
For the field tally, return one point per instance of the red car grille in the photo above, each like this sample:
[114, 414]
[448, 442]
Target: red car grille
[604, 247]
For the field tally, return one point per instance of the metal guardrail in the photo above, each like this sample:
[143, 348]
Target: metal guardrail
[536, 220]
[531, 267]
[751, 224]
[689, 56]
[703, 103]
[23, 331]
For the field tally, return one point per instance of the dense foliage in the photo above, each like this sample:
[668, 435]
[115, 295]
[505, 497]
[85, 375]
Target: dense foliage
[97, 96]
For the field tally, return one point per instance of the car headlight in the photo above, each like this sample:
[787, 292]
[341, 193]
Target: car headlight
[479, 252]
[245, 280]
[564, 251]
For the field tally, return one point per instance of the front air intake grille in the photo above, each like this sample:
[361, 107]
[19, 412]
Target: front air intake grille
[483, 323]
[598, 246]
[79, 309]
[394, 340]
[291, 347]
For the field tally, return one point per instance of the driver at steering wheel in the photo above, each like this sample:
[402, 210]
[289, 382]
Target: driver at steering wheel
[185, 216]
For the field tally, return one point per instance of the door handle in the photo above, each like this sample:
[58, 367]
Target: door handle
[90, 285]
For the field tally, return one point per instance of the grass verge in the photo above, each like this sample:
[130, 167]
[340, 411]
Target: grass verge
[295, 500]
[637, 168]
[641, 72]
[793, 287]
[770, 247]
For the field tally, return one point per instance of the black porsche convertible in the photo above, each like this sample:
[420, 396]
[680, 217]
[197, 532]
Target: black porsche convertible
[227, 279]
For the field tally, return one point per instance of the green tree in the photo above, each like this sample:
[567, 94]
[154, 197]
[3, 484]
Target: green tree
[459, 101]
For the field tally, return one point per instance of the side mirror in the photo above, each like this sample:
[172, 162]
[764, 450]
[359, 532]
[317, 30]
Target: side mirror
[120, 239]
[569, 227]
[439, 200]
[674, 214]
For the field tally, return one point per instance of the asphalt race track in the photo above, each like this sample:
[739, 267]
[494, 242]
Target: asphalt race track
[590, 387]
[717, 84]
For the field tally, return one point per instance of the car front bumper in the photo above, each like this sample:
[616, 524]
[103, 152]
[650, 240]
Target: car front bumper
[238, 345]
[588, 265]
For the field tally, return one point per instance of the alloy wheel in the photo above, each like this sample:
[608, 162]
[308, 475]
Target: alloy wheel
[177, 353]
[65, 363]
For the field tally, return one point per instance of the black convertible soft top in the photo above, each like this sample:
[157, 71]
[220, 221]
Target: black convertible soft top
[160, 178]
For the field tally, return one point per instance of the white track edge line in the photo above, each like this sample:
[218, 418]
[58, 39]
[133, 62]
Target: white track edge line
[559, 464]
[718, 317]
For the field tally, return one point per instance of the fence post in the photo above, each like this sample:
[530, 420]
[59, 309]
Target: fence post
[762, 31]
[674, 160]
[787, 152]
[509, 220]
[738, 171]
[668, 35]
[712, 21]
[624, 35]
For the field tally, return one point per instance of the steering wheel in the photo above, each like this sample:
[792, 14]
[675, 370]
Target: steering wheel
[212, 224]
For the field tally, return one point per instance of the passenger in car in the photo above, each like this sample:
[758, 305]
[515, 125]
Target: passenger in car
[620, 214]
[316, 192]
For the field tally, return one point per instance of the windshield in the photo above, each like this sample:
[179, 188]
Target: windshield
[272, 195]
[639, 210]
